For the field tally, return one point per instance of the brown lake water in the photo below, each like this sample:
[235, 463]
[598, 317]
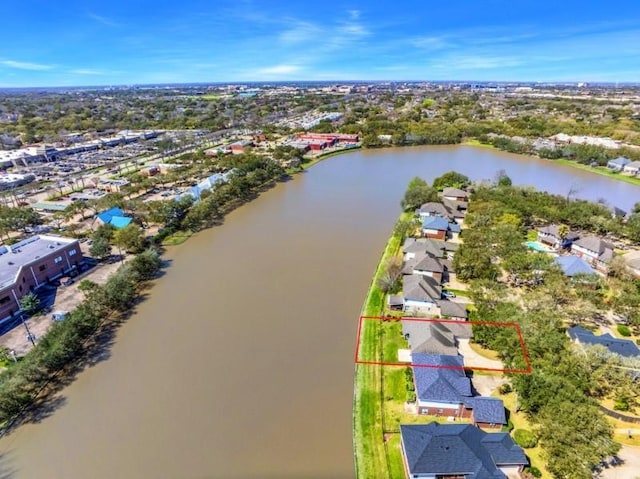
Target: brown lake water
[240, 362]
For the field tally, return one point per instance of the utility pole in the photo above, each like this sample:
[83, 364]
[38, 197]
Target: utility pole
[30, 335]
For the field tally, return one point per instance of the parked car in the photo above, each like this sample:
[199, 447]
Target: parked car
[59, 315]
[448, 294]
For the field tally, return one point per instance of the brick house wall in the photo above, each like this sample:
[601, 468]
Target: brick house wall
[34, 275]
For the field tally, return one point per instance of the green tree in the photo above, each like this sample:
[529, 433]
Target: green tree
[418, 192]
[451, 179]
[29, 303]
[100, 248]
[146, 265]
[130, 238]
[502, 179]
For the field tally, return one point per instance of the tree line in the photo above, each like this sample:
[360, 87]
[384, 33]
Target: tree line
[67, 342]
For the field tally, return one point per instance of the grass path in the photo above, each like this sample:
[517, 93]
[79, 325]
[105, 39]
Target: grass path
[371, 457]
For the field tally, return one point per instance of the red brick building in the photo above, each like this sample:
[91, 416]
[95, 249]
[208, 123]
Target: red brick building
[28, 265]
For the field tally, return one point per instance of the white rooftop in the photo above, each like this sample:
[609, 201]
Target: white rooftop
[13, 257]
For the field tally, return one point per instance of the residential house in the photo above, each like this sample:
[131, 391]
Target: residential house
[29, 264]
[114, 217]
[457, 209]
[455, 194]
[421, 294]
[551, 236]
[429, 337]
[238, 147]
[459, 451]
[453, 310]
[632, 168]
[416, 247]
[596, 251]
[443, 389]
[434, 209]
[618, 164]
[573, 265]
[436, 227]
[621, 347]
[430, 266]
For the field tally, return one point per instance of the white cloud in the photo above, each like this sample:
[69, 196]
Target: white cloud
[431, 43]
[25, 65]
[103, 20]
[84, 71]
[300, 33]
[278, 70]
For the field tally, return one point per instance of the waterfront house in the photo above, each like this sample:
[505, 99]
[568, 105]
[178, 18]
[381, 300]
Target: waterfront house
[435, 227]
[455, 194]
[430, 266]
[29, 264]
[453, 310]
[443, 389]
[429, 337]
[621, 347]
[439, 228]
[421, 294]
[434, 209]
[618, 164]
[438, 249]
[596, 251]
[551, 236]
[632, 168]
[459, 451]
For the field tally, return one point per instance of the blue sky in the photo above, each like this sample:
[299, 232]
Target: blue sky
[73, 42]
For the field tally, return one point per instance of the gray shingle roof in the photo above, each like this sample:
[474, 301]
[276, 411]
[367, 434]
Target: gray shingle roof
[430, 264]
[434, 208]
[457, 449]
[429, 337]
[424, 245]
[421, 288]
[452, 309]
[457, 192]
[604, 249]
[553, 230]
[622, 347]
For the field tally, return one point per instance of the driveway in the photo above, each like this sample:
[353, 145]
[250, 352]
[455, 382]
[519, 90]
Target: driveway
[473, 359]
[629, 469]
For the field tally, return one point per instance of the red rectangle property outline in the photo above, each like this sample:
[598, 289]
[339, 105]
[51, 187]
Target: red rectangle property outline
[516, 326]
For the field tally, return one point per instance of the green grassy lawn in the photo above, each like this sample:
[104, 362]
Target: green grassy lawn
[177, 238]
[370, 453]
[458, 292]
[601, 170]
[520, 421]
[487, 353]
[474, 142]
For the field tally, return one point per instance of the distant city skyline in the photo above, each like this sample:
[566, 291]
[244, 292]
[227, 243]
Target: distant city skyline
[143, 42]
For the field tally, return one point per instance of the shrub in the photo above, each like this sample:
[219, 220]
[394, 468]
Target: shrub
[505, 388]
[624, 330]
[534, 471]
[525, 438]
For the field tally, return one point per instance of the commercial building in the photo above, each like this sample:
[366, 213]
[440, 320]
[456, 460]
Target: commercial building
[28, 265]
